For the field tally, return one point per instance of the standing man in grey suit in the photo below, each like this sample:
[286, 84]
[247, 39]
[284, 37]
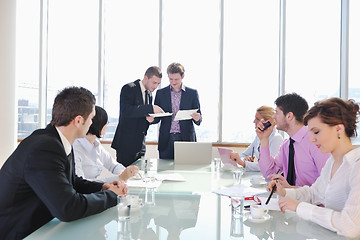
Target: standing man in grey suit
[134, 119]
[38, 181]
[173, 98]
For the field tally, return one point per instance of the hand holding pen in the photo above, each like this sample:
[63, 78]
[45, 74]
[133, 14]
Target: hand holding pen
[272, 185]
[280, 178]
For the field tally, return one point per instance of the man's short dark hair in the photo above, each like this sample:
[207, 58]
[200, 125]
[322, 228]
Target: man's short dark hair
[294, 103]
[176, 68]
[98, 122]
[71, 102]
[153, 71]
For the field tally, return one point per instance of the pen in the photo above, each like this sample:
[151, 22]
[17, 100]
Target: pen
[252, 153]
[272, 191]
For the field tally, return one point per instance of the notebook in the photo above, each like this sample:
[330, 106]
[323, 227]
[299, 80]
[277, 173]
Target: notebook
[225, 156]
[192, 152]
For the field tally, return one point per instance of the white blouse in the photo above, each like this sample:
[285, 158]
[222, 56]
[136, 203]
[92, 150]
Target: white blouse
[90, 160]
[340, 195]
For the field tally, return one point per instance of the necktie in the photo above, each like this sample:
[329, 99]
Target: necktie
[147, 96]
[291, 168]
[71, 164]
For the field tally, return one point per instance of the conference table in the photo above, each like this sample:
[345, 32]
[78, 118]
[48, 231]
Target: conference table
[184, 210]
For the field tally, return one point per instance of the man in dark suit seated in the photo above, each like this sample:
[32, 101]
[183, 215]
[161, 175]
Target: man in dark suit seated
[134, 119]
[38, 182]
[173, 98]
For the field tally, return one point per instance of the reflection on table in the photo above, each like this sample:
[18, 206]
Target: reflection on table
[184, 210]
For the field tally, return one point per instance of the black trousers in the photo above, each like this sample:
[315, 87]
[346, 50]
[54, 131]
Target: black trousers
[127, 158]
[168, 152]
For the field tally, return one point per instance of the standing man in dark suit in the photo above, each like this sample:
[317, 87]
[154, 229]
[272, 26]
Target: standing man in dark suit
[38, 182]
[173, 98]
[134, 119]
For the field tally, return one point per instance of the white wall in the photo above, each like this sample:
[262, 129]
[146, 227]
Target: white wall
[8, 105]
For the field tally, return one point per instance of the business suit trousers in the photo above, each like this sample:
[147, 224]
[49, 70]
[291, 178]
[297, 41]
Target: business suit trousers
[128, 158]
[168, 152]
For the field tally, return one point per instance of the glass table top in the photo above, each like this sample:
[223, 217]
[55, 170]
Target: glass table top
[185, 210]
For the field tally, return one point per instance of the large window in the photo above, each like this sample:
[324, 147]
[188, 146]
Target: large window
[194, 42]
[251, 63]
[231, 51]
[131, 31]
[354, 55]
[27, 65]
[72, 46]
[312, 67]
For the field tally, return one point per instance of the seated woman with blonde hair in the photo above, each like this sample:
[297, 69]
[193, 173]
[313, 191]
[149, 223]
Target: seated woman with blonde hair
[91, 157]
[246, 158]
[332, 123]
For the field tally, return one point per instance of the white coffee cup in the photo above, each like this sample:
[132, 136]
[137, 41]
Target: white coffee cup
[257, 180]
[135, 201]
[258, 211]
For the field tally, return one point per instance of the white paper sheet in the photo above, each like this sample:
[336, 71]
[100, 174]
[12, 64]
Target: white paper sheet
[144, 184]
[184, 114]
[239, 190]
[170, 177]
[160, 114]
[272, 205]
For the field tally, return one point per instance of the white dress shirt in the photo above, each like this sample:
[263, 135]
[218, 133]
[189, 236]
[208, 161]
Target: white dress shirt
[340, 195]
[275, 141]
[90, 160]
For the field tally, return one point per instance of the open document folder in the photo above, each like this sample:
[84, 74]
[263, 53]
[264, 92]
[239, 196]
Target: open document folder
[225, 156]
[184, 114]
[160, 114]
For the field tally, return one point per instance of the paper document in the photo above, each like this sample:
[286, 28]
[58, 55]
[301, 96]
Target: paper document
[160, 114]
[143, 183]
[239, 190]
[170, 177]
[272, 205]
[184, 114]
[225, 156]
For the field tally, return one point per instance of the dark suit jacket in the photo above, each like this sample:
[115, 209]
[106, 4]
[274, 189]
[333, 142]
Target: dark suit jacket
[189, 100]
[35, 187]
[132, 126]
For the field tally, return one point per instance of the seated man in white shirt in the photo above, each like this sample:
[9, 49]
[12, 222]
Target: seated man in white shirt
[246, 158]
[91, 156]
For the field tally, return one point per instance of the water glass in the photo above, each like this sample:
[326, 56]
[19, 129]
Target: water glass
[237, 228]
[124, 207]
[237, 174]
[124, 229]
[237, 206]
[150, 196]
[216, 163]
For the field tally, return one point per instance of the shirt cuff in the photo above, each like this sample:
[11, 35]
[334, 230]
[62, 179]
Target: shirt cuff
[290, 192]
[305, 210]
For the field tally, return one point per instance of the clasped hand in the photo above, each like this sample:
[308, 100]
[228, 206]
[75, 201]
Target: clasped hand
[118, 187]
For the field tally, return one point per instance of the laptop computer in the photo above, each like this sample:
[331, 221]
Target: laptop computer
[192, 152]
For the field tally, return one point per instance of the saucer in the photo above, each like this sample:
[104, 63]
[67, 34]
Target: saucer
[258, 220]
[136, 207]
[262, 183]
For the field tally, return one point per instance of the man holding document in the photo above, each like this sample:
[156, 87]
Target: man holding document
[135, 107]
[184, 104]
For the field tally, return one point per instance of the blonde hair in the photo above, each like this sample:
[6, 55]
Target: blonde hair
[266, 112]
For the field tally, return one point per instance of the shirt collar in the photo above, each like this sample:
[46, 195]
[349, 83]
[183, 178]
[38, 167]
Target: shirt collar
[87, 145]
[300, 134]
[353, 155]
[65, 142]
[182, 87]
[142, 87]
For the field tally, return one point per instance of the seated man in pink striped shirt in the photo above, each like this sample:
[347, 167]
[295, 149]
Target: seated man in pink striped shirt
[298, 159]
